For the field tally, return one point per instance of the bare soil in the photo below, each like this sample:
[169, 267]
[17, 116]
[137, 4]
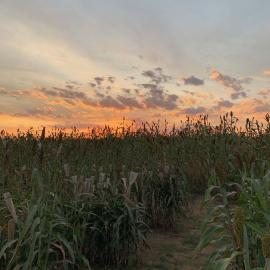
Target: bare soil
[175, 251]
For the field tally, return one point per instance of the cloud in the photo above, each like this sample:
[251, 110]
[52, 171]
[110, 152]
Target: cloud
[221, 105]
[194, 110]
[188, 101]
[251, 106]
[32, 93]
[156, 76]
[4, 92]
[98, 94]
[102, 82]
[265, 93]
[21, 93]
[126, 90]
[148, 85]
[130, 102]
[232, 83]
[192, 93]
[69, 94]
[203, 95]
[228, 81]
[267, 72]
[192, 80]
[156, 97]
[92, 84]
[42, 111]
[74, 83]
[225, 103]
[106, 101]
[99, 80]
[265, 108]
[238, 95]
[63, 102]
[63, 95]
[111, 79]
[110, 102]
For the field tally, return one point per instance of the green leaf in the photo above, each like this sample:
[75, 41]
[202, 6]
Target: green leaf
[208, 236]
[256, 228]
[223, 264]
[7, 246]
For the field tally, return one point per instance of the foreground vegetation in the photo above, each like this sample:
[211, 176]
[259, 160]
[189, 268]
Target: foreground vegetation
[80, 200]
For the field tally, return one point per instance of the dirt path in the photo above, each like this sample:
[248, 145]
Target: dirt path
[175, 251]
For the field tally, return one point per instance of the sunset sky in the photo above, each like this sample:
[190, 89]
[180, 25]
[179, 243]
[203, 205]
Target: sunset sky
[92, 62]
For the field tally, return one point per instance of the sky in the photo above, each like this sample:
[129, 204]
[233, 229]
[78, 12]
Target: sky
[89, 63]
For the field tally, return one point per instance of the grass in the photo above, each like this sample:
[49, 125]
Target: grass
[90, 199]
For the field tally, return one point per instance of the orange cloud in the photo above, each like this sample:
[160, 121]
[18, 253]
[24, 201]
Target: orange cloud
[265, 92]
[202, 95]
[32, 93]
[215, 75]
[234, 84]
[75, 103]
[251, 107]
[267, 72]
[188, 101]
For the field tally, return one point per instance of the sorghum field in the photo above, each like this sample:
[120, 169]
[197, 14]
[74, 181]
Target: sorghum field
[92, 200]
